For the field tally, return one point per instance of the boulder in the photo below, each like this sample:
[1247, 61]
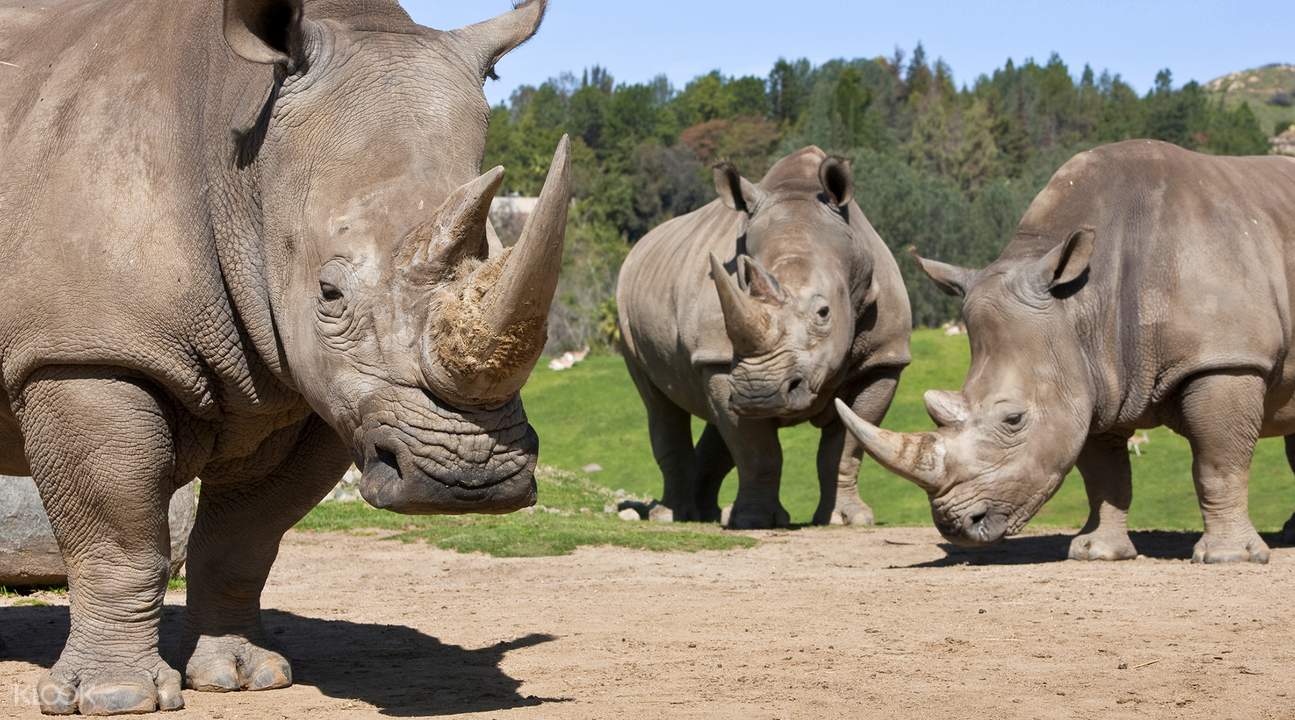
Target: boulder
[28, 552]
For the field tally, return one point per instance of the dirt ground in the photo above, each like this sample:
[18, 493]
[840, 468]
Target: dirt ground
[811, 624]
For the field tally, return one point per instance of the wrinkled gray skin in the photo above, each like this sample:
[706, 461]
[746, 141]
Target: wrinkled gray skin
[1145, 286]
[753, 313]
[246, 243]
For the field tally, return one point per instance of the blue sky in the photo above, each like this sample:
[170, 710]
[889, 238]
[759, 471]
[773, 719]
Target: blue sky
[637, 39]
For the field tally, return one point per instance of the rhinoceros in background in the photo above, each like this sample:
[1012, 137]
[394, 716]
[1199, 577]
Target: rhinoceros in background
[1146, 285]
[753, 313]
[248, 241]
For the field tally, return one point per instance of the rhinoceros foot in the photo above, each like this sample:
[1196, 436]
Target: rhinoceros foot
[686, 512]
[1102, 546]
[230, 663]
[95, 688]
[848, 510]
[762, 516]
[1288, 532]
[1215, 548]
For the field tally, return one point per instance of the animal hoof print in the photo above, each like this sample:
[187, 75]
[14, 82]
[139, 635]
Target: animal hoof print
[1093, 548]
[1212, 551]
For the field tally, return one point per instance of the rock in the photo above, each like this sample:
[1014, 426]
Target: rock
[28, 552]
[725, 514]
[592, 468]
[637, 506]
[629, 514]
[660, 513]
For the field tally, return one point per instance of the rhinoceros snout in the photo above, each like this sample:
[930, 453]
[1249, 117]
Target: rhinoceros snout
[976, 526]
[429, 460]
[764, 400]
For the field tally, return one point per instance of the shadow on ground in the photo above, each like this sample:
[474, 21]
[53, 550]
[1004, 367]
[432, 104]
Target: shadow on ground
[399, 670]
[1036, 549]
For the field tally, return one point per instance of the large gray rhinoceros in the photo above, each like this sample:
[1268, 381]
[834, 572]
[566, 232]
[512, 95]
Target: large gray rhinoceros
[1146, 285]
[248, 241]
[753, 313]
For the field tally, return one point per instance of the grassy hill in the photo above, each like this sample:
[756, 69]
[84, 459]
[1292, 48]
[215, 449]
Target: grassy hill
[1263, 88]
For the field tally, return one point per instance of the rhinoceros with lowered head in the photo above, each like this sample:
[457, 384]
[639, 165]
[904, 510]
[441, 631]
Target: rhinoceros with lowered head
[754, 313]
[247, 241]
[1146, 285]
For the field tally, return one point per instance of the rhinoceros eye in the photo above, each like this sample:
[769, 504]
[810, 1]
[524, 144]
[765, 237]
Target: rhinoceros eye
[333, 277]
[329, 292]
[1014, 421]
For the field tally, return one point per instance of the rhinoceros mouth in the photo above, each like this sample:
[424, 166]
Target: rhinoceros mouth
[425, 458]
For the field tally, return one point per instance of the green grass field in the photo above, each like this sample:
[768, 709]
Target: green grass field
[592, 415]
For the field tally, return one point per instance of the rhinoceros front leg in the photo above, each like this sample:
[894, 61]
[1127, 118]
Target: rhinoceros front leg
[754, 447]
[101, 451]
[1221, 414]
[840, 454]
[1104, 464]
[232, 547]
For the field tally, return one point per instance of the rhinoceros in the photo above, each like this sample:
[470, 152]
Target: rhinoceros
[248, 241]
[754, 313]
[1146, 285]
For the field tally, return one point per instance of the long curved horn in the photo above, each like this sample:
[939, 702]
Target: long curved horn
[916, 456]
[487, 341]
[748, 323]
[486, 42]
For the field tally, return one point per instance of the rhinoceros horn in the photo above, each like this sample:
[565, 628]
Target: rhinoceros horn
[748, 321]
[916, 456]
[483, 343]
[457, 231]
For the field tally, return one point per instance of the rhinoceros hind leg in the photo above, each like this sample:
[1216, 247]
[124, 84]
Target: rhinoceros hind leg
[1220, 414]
[670, 431]
[1108, 478]
[102, 453]
[714, 463]
[1288, 530]
[233, 546]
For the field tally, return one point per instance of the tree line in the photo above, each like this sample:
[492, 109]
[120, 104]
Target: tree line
[944, 168]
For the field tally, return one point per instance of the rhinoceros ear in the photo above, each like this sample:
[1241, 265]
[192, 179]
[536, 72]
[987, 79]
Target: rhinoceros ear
[837, 180]
[265, 31]
[734, 190]
[951, 279]
[487, 42]
[1068, 261]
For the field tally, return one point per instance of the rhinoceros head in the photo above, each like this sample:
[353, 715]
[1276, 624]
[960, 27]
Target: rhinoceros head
[791, 323]
[1005, 443]
[402, 320]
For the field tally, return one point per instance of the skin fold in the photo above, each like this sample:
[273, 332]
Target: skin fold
[1146, 285]
[754, 313]
[254, 249]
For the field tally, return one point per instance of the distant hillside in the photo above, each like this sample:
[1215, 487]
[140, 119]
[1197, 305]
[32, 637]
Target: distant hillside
[1270, 90]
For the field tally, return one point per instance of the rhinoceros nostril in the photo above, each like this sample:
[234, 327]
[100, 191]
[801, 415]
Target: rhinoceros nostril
[388, 458]
[978, 518]
[794, 385]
